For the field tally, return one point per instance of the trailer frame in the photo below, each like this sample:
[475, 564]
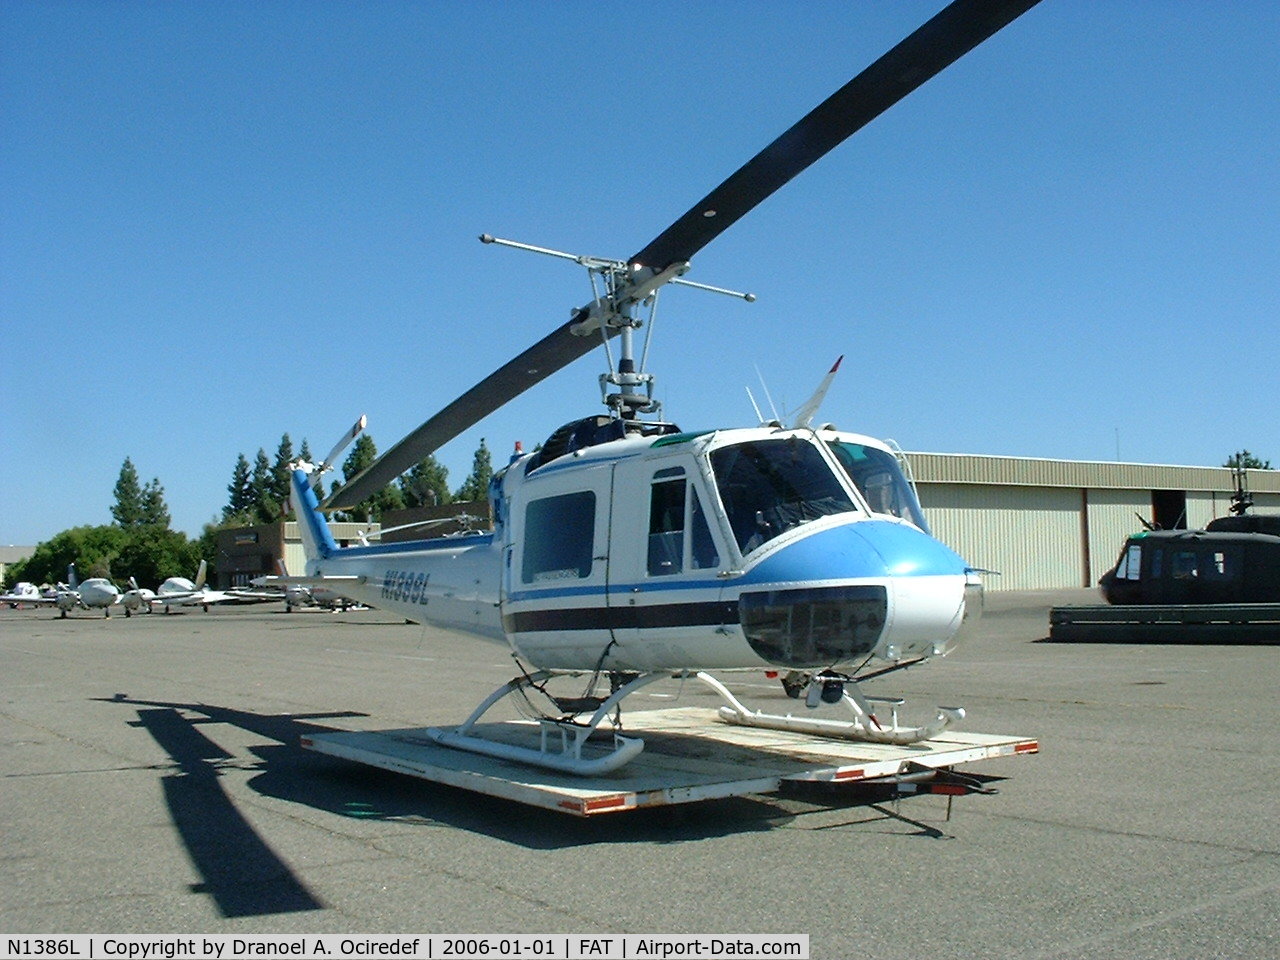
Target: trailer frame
[689, 755]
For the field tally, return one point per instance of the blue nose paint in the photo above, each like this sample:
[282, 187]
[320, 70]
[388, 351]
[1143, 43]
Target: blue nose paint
[868, 548]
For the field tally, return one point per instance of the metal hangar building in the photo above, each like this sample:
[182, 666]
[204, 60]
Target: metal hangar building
[1056, 524]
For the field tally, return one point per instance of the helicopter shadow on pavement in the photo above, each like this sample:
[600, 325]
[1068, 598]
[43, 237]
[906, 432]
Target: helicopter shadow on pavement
[246, 877]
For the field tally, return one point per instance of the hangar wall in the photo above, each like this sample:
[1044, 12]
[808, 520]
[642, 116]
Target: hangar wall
[1055, 524]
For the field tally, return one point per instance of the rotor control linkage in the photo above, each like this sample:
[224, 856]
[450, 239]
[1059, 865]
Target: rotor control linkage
[618, 290]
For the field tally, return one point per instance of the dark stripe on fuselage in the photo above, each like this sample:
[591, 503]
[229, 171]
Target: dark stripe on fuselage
[715, 613]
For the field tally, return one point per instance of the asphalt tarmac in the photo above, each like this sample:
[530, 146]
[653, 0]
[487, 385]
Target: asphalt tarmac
[151, 781]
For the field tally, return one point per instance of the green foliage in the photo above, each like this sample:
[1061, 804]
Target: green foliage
[263, 504]
[241, 494]
[476, 486]
[128, 507]
[155, 512]
[152, 554]
[91, 549]
[363, 453]
[1246, 460]
[281, 474]
[427, 484]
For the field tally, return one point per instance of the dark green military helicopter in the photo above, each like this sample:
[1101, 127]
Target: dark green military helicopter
[1235, 559]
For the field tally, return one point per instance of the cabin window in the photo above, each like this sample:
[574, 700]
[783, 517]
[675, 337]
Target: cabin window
[1184, 566]
[1222, 565]
[880, 480]
[771, 486]
[705, 556]
[666, 526]
[559, 538]
[1130, 567]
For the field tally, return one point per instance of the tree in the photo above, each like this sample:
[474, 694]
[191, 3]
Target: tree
[155, 512]
[427, 484]
[263, 505]
[152, 554]
[1245, 460]
[241, 496]
[372, 508]
[281, 474]
[91, 549]
[476, 486]
[128, 508]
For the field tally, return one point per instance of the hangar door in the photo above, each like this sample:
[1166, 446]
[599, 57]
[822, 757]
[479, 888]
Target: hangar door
[1032, 535]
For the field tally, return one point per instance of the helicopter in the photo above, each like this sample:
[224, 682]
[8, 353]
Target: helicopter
[626, 550]
[1234, 559]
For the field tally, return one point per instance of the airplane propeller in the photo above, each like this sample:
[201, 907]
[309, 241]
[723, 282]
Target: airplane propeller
[953, 32]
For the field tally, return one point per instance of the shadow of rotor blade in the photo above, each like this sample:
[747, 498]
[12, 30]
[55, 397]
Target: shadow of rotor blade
[242, 874]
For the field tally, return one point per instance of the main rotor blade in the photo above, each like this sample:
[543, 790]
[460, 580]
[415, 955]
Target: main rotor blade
[955, 31]
[551, 353]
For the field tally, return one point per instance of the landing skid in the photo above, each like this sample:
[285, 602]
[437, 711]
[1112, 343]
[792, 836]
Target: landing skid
[866, 724]
[581, 748]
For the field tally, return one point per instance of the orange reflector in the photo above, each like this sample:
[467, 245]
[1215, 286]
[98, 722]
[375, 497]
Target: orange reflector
[849, 774]
[305, 741]
[604, 803]
[1031, 746]
[949, 789]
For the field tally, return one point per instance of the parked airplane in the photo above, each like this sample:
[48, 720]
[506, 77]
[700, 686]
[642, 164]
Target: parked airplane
[22, 593]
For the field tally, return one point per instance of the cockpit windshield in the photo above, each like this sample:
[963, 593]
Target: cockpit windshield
[771, 486]
[879, 479]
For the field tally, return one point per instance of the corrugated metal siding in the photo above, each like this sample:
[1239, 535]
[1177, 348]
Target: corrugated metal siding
[1082, 474]
[1112, 517]
[1203, 506]
[1031, 535]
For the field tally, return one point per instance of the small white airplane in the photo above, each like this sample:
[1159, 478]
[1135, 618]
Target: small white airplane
[22, 593]
[308, 591]
[136, 599]
[179, 591]
[96, 593]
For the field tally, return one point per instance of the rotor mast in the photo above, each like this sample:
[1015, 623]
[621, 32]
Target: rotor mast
[620, 291]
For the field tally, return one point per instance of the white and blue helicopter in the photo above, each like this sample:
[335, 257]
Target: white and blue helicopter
[627, 550]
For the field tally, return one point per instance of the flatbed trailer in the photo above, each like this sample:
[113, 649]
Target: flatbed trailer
[689, 755]
[1253, 623]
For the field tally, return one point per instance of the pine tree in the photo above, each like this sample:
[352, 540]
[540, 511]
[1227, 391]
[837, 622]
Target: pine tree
[1245, 460]
[264, 506]
[128, 508]
[241, 496]
[476, 486]
[154, 510]
[427, 484]
[389, 497]
[280, 473]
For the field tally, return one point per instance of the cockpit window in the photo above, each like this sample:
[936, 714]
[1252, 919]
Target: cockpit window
[770, 486]
[879, 479]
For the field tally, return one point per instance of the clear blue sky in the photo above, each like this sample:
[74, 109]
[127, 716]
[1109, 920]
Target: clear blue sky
[223, 221]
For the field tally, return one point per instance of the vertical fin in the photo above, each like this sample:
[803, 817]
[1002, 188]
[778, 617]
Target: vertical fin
[317, 541]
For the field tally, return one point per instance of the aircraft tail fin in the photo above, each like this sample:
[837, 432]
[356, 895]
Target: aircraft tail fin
[201, 574]
[317, 541]
[72, 580]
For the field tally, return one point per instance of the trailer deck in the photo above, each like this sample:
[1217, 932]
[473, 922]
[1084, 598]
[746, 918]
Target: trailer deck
[689, 755]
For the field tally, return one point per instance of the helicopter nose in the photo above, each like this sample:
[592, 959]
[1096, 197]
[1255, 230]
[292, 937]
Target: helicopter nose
[870, 587]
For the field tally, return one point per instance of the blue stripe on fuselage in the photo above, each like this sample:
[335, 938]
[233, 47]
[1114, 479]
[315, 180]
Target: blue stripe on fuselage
[852, 551]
